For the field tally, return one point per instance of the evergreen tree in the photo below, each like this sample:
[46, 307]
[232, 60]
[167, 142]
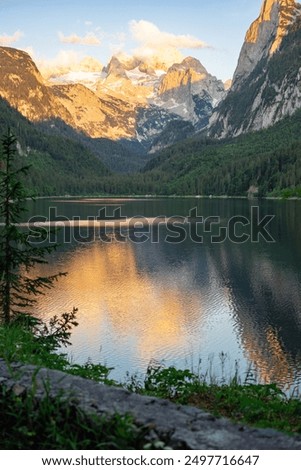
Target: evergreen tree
[18, 290]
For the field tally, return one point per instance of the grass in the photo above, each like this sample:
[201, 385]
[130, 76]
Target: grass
[262, 406]
[19, 344]
[58, 424]
[257, 405]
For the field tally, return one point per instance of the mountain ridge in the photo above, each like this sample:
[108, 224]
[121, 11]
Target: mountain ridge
[266, 85]
[125, 102]
[131, 109]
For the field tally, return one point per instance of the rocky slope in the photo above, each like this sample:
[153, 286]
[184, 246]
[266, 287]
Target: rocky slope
[97, 116]
[128, 99]
[189, 91]
[22, 85]
[267, 82]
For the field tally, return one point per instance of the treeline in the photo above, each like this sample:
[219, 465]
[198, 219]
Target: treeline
[123, 156]
[269, 160]
[58, 165]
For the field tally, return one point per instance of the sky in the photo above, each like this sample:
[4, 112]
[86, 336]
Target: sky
[63, 32]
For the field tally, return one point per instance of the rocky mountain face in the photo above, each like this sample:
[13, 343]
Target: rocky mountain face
[128, 99]
[266, 85]
[189, 91]
[147, 97]
[96, 116]
[22, 85]
[147, 106]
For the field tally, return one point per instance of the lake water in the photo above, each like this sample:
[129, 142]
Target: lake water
[210, 305]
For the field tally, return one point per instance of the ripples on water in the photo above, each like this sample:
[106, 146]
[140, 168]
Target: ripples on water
[184, 303]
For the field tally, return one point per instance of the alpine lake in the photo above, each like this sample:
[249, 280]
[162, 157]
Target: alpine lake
[212, 285]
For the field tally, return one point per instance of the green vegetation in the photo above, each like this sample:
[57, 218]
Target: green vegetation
[257, 405]
[17, 254]
[25, 337]
[61, 164]
[30, 341]
[287, 193]
[58, 424]
[27, 422]
[55, 424]
[269, 160]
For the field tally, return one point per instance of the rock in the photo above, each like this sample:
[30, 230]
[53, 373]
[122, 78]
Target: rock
[190, 91]
[178, 427]
[266, 83]
[264, 36]
[112, 105]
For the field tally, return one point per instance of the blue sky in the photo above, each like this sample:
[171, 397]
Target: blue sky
[58, 30]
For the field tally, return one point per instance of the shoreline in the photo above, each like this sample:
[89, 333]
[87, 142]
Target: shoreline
[155, 196]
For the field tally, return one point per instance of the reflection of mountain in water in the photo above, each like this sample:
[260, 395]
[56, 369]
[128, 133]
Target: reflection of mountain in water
[266, 301]
[263, 286]
[117, 299]
[155, 299]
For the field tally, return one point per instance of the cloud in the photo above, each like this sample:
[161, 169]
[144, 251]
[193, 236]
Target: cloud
[89, 40]
[67, 61]
[149, 34]
[6, 40]
[163, 45]
[29, 50]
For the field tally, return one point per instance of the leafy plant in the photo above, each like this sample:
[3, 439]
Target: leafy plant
[57, 423]
[19, 343]
[255, 404]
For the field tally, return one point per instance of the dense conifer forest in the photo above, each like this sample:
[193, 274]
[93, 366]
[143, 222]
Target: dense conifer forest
[269, 160]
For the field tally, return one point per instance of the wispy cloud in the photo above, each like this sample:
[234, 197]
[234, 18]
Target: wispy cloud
[148, 34]
[67, 61]
[29, 50]
[90, 39]
[7, 40]
[161, 44]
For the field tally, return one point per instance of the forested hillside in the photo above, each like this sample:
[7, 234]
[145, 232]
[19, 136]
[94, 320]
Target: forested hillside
[270, 160]
[58, 165]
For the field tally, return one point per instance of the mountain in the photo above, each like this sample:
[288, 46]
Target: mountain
[58, 165]
[266, 85]
[129, 100]
[265, 162]
[126, 113]
[22, 85]
[151, 96]
[96, 115]
[189, 91]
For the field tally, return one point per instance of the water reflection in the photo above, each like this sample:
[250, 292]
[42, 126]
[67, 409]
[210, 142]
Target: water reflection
[118, 299]
[139, 302]
[266, 300]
